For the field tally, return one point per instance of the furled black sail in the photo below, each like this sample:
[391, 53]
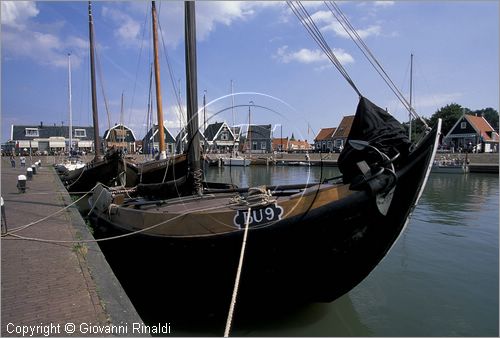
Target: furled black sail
[382, 131]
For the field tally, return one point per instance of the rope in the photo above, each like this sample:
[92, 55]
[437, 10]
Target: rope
[78, 178]
[198, 181]
[166, 169]
[305, 19]
[118, 236]
[363, 47]
[256, 197]
[238, 275]
[22, 227]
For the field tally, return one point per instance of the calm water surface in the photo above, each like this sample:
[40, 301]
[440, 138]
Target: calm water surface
[439, 279]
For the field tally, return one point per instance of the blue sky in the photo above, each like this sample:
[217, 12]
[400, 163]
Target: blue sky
[261, 46]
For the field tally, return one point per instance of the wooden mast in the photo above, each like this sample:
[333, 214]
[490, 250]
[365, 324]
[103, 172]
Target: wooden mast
[411, 90]
[159, 108]
[192, 97]
[95, 113]
[69, 108]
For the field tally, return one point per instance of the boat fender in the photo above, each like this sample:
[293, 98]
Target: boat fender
[101, 198]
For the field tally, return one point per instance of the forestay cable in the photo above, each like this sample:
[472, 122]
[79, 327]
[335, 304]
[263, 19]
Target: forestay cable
[363, 47]
[313, 30]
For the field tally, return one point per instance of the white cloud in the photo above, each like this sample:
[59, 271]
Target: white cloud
[16, 13]
[330, 24]
[383, 3]
[128, 29]
[309, 56]
[209, 15]
[43, 48]
[20, 39]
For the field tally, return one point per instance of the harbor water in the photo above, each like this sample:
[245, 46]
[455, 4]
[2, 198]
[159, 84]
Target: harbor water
[439, 279]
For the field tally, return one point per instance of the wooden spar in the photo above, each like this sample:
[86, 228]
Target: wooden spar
[159, 108]
[95, 113]
[192, 95]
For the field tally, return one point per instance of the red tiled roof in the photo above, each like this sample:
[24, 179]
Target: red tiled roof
[344, 127]
[299, 145]
[277, 142]
[325, 134]
[482, 126]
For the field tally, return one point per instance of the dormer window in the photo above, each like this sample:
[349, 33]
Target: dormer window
[463, 125]
[31, 132]
[80, 133]
[224, 136]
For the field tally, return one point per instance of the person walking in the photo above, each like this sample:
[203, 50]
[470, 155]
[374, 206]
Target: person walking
[12, 161]
[22, 159]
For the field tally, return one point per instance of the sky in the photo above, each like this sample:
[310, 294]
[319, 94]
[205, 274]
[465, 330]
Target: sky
[277, 70]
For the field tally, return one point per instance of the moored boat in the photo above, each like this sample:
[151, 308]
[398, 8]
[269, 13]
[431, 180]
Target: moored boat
[451, 166]
[305, 242]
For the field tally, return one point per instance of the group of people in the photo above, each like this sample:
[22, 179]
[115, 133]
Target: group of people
[22, 161]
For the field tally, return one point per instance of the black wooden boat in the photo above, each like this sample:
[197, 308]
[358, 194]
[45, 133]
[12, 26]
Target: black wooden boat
[104, 170]
[321, 241]
[306, 243]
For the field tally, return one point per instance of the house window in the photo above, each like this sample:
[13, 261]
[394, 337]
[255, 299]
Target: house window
[80, 133]
[263, 145]
[254, 145]
[224, 136]
[463, 125]
[32, 132]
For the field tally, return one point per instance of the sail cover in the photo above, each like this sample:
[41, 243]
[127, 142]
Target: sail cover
[374, 125]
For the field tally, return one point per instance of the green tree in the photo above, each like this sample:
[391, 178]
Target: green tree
[450, 115]
[490, 114]
[417, 127]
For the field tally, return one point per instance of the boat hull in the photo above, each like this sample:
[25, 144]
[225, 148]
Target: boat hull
[157, 171]
[236, 161]
[84, 179]
[449, 169]
[316, 256]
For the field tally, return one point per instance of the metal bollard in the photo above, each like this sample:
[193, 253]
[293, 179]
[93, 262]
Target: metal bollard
[21, 183]
[29, 174]
[33, 167]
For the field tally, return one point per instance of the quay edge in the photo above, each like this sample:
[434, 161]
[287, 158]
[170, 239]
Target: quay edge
[117, 305]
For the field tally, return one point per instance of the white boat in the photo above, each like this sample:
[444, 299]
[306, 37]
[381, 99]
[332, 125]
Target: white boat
[236, 161]
[69, 164]
[454, 166]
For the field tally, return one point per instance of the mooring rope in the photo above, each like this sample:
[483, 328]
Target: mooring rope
[238, 275]
[118, 236]
[22, 227]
